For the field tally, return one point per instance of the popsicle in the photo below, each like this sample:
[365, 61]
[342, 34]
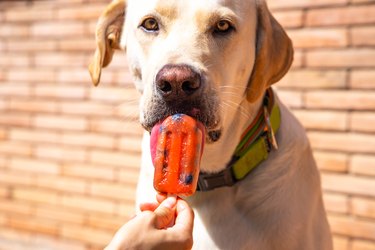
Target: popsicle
[176, 150]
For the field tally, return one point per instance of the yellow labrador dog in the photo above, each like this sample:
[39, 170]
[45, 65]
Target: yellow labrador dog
[215, 60]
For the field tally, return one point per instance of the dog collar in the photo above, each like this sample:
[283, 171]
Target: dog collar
[256, 143]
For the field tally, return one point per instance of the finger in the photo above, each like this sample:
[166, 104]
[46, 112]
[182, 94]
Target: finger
[184, 216]
[160, 197]
[165, 213]
[148, 206]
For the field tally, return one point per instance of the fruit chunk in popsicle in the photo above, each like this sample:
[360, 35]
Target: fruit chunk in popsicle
[176, 150]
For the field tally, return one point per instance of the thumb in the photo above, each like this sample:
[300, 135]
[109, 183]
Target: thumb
[165, 212]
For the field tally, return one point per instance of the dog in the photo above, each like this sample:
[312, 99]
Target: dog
[216, 60]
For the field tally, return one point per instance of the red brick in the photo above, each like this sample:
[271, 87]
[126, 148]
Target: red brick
[114, 94]
[32, 45]
[340, 243]
[11, 206]
[349, 15]
[129, 111]
[130, 144]
[64, 184]
[36, 195]
[352, 100]
[12, 119]
[362, 79]
[319, 37]
[322, 120]
[15, 59]
[363, 245]
[60, 60]
[116, 191]
[4, 193]
[86, 234]
[363, 57]
[58, 29]
[89, 204]
[28, 14]
[120, 159]
[3, 162]
[314, 79]
[33, 136]
[87, 108]
[363, 165]
[335, 162]
[3, 134]
[11, 30]
[60, 122]
[10, 236]
[81, 12]
[351, 227]
[57, 213]
[298, 59]
[363, 36]
[289, 19]
[116, 126]
[275, 4]
[16, 178]
[112, 223]
[346, 142]
[60, 153]
[128, 177]
[3, 219]
[14, 89]
[50, 242]
[88, 171]
[77, 45]
[60, 91]
[88, 140]
[292, 99]
[31, 75]
[33, 106]
[15, 148]
[348, 184]
[34, 165]
[35, 225]
[363, 207]
[336, 203]
[362, 121]
[74, 76]
[126, 210]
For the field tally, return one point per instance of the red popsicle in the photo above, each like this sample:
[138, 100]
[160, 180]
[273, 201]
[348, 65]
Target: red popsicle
[176, 150]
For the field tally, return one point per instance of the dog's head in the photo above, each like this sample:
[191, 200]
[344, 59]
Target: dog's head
[201, 58]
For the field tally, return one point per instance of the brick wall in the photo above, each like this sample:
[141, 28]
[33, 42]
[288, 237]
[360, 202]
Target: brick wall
[69, 153]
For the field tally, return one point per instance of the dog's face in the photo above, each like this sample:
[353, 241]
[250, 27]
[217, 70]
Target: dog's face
[201, 58]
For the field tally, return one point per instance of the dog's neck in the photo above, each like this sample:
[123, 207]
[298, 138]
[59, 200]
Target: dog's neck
[217, 155]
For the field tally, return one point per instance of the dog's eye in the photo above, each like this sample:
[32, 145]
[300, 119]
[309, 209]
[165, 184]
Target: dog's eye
[150, 25]
[223, 27]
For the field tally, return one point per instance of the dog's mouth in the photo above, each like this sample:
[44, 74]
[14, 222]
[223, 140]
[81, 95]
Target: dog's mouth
[202, 109]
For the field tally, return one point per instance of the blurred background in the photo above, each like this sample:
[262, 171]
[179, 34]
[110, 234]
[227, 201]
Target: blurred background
[70, 153]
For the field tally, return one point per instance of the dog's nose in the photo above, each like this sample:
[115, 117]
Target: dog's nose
[177, 81]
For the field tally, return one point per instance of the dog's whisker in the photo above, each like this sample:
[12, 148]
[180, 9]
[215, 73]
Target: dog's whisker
[237, 107]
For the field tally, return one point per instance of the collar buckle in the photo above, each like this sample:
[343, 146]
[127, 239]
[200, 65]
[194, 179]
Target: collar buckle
[208, 181]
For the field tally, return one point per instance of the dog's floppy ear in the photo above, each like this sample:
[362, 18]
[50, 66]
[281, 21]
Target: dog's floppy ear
[108, 33]
[274, 53]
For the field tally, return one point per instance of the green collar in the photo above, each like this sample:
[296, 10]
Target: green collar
[256, 143]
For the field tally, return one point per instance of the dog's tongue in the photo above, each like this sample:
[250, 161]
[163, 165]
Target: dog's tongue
[176, 150]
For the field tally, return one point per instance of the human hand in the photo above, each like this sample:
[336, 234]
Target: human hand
[167, 224]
